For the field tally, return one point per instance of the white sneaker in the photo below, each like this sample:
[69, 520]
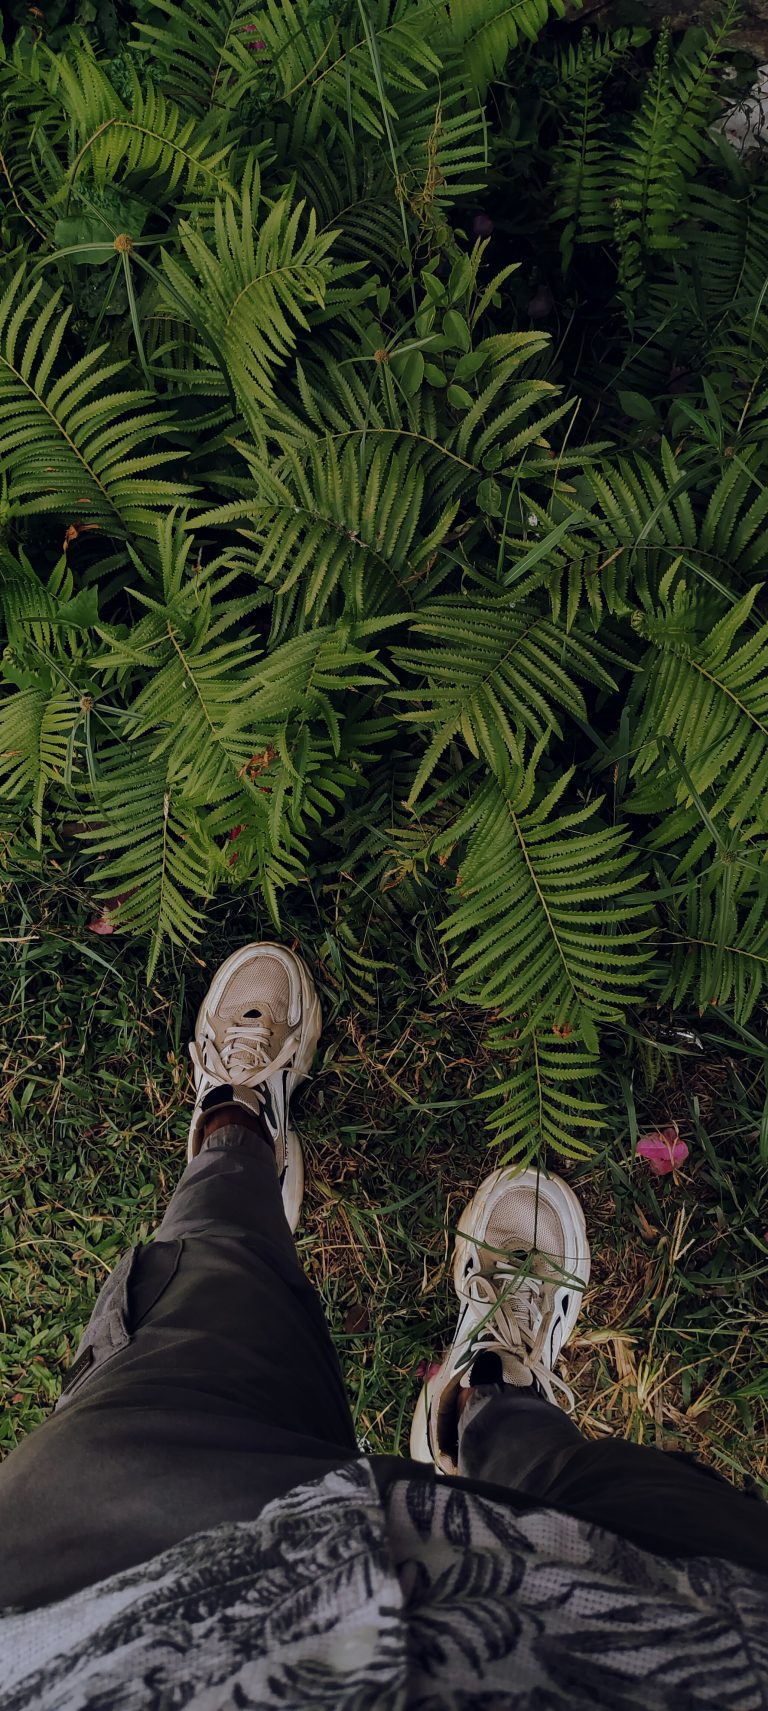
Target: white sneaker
[256, 1032]
[521, 1265]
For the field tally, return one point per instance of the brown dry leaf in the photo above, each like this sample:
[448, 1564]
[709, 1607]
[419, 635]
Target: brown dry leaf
[649, 1230]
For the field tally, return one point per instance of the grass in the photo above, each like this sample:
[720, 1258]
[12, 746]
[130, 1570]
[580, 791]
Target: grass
[672, 1348]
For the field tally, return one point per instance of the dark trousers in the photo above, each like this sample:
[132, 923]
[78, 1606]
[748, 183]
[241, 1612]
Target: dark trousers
[207, 1384]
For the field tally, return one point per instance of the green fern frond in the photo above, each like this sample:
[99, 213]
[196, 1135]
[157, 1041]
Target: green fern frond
[27, 606]
[704, 688]
[733, 528]
[493, 674]
[325, 68]
[29, 177]
[591, 54]
[210, 705]
[254, 290]
[584, 161]
[694, 70]
[154, 852]
[37, 729]
[728, 237]
[193, 704]
[488, 30]
[68, 442]
[349, 194]
[509, 415]
[665, 143]
[144, 142]
[541, 1106]
[647, 188]
[726, 259]
[350, 520]
[541, 925]
[203, 54]
[719, 943]
[442, 154]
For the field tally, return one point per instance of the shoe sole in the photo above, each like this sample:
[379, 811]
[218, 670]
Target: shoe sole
[419, 1437]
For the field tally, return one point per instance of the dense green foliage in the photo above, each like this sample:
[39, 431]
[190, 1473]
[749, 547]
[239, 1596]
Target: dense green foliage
[382, 404]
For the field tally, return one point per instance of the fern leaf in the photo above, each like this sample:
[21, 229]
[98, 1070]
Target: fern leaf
[719, 936]
[70, 444]
[352, 521]
[37, 727]
[542, 1105]
[203, 54]
[488, 30]
[27, 606]
[143, 141]
[153, 853]
[583, 164]
[704, 687]
[540, 928]
[494, 674]
[666, 140]
[327, 71]
[254, 290]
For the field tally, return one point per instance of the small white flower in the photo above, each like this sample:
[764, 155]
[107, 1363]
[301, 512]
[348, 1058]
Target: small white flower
[533, 522]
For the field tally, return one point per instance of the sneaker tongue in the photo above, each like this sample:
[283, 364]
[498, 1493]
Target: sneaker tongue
[515, 1371]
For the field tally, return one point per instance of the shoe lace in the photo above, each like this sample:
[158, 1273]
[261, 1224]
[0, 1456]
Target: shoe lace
[516, 1323]
[245, 1056]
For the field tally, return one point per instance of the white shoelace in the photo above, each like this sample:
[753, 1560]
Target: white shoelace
[244, 1058]
[515, 1302]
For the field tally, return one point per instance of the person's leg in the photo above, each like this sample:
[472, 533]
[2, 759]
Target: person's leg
[206, 1382]
[206, 1385]
[218, 1303]
[663, 1502]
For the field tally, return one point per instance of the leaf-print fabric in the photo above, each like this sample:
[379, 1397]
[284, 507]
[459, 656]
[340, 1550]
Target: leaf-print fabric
[430, 1599]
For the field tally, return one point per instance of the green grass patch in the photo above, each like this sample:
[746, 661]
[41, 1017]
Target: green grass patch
[672, 1348]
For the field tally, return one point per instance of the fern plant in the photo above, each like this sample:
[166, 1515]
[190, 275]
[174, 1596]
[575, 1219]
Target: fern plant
[325, 564]
[557, 889]
[630, 180]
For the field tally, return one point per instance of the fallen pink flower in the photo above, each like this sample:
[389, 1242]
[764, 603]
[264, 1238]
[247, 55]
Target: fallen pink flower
[103, 923]
[663, 1150]
[427, 1369]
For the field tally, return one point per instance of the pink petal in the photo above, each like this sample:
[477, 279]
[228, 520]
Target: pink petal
[663, 1150]
[103, 923]
[427, 1369]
